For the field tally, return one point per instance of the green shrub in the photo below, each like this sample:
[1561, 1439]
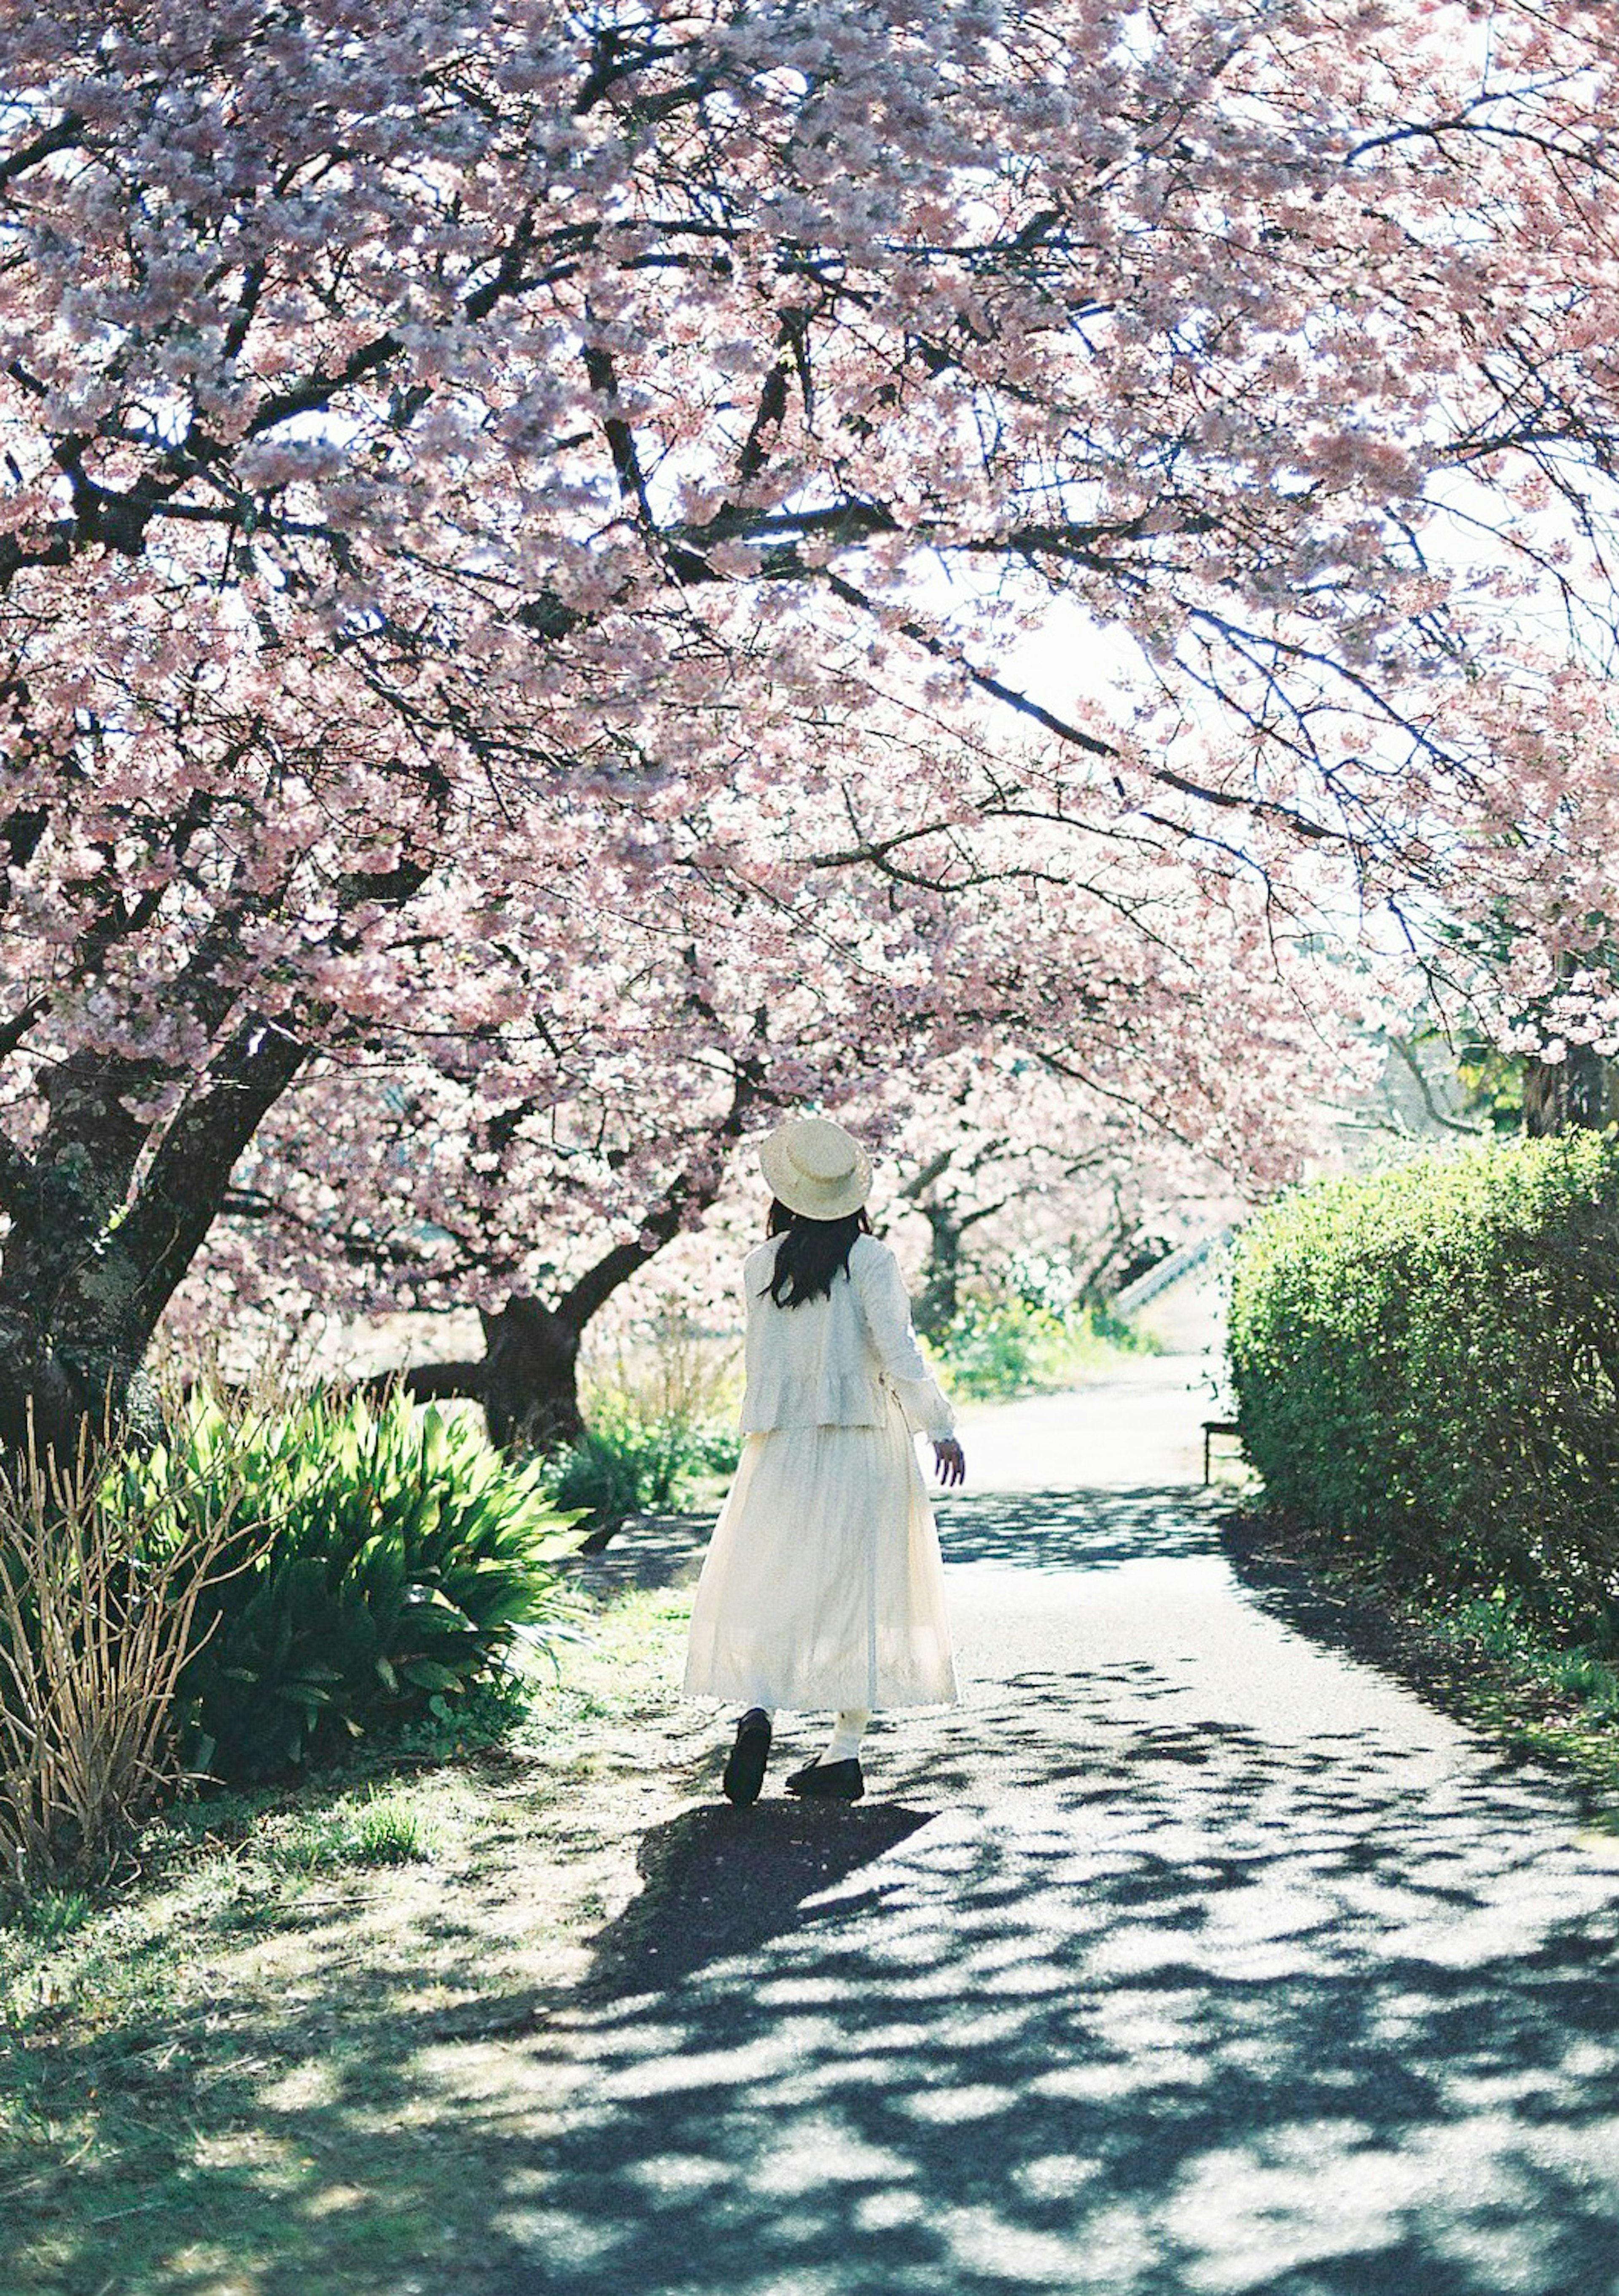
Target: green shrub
[1497, 1625]
[52, 1915]
[485, 1714]
[991, 1349]
[661, 1412]
[1426, 1363]
[387, 1557]
[628, 1463]
[994, 1349]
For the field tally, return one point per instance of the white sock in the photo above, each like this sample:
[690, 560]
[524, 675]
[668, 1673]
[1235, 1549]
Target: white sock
[847, 1732]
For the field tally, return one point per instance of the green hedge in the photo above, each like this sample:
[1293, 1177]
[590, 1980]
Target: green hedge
[1426, 1363]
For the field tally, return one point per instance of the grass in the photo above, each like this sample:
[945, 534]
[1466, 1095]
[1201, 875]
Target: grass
[1538, 1696]
[302, 2047]
[374, 1829]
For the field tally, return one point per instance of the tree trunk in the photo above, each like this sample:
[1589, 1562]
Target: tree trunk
[54, 1396]
[1570, 1095]
[527, 1381]
[948, 1230]
[91, 1261]
[530, 1376]
[940, 1294]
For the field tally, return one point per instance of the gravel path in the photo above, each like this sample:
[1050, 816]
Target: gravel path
[1186, 1955]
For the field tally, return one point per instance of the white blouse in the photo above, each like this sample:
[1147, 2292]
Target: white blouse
[833, 1362]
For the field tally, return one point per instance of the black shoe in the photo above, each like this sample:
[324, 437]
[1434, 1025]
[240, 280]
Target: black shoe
[829, 1781]
[745, 1770]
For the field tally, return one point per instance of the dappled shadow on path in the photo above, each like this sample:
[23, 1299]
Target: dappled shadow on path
[1155, 2003]
[1077, 1531]
[1341, 1617]
[1044, 1530]
[664, 1550]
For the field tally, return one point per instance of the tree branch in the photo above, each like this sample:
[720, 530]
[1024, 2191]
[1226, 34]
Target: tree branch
[933, 645]
[693, 1189]
[181, 1192]
[437, 1383]
[61, 137]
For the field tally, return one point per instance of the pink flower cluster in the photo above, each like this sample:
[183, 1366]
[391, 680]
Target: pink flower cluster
[524, 534]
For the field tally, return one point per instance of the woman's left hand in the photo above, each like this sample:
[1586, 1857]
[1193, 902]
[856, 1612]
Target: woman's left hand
[951, 1461]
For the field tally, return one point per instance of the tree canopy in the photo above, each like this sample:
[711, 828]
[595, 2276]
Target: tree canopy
[522, 531]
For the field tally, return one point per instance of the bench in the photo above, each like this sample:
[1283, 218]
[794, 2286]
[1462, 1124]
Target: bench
[1211, 1428]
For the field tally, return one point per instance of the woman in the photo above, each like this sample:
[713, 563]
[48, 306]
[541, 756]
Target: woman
[822, 1587]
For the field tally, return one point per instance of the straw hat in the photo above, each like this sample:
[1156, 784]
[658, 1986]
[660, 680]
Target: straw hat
[816, 1168]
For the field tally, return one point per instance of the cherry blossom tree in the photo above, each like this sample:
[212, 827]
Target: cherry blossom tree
[532, 1181]
[463, 465]
[1014, 1167]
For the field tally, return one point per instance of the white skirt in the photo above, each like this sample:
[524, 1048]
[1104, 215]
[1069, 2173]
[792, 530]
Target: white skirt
[822, 1587]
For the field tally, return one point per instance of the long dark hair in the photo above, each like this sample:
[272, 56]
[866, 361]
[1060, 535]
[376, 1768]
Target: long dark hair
[810, 1252]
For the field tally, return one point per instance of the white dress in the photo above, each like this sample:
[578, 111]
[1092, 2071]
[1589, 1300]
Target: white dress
[823, 1586]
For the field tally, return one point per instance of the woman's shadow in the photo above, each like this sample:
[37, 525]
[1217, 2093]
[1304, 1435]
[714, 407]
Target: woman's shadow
[719, 1882]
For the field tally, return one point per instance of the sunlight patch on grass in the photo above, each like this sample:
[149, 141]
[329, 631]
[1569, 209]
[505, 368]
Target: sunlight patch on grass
[1544, 1700]
[277, 2048]
[380, 1829]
